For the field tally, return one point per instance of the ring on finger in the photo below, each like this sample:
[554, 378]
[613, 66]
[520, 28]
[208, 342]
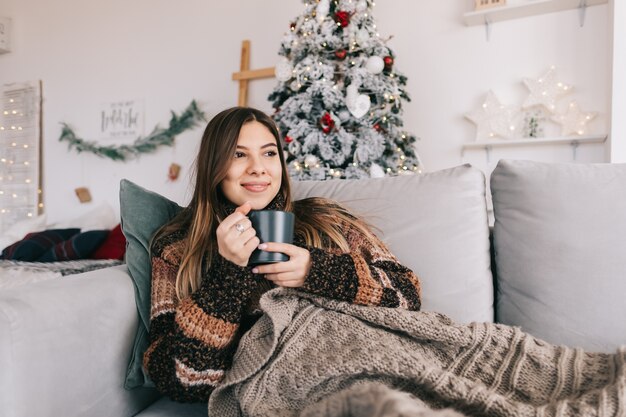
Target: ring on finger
[240, 228]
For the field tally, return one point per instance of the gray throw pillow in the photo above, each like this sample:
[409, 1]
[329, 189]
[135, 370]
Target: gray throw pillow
[559, 241]
[436, 224]
[142, 212]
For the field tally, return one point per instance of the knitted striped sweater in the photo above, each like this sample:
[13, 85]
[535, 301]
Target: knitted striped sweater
[193, 340]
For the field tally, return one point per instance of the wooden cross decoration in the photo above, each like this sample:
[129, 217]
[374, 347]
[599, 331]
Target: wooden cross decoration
[246, 74]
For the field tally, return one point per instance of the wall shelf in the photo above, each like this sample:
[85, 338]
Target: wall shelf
[525, 9]
[573, 141]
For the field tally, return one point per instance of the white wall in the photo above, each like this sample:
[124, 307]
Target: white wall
[617, 144]
[168, 53]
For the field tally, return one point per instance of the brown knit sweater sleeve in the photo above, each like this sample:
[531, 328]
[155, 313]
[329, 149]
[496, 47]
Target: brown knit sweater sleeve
[368, 275]
[192, 340]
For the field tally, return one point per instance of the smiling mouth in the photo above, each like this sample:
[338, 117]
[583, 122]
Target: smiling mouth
[256, 187]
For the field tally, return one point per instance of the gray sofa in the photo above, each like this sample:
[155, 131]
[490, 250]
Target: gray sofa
[558, 252]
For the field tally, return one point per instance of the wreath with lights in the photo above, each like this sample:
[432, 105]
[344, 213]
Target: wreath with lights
[189, 118]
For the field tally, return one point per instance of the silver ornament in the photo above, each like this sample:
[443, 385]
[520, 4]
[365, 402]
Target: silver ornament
[283, 70]
[375, 65]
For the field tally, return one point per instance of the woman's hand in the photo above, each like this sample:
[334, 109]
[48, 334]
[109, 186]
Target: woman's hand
[236, 238]
[291, 273]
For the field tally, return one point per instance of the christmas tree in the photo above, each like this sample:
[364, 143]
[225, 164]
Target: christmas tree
[338, 103]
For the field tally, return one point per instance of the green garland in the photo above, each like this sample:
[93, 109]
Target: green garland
[159, 137]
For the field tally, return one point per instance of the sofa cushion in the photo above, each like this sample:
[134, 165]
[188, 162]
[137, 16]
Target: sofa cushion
[79, 246]
[64, 346]
[36, 244]
[19, 229]
[93, 217]
[436, 224]
[143, 212]
[113, 247]
[559, 241]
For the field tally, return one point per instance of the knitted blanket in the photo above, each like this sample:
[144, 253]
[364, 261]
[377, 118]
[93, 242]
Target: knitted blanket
[309, 356]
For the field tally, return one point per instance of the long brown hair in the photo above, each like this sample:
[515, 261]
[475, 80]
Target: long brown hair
[318, 220]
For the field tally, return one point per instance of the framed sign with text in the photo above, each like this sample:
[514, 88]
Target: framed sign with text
[121, 120]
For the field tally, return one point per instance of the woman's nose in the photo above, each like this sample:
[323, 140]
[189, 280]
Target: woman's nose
[256, 166]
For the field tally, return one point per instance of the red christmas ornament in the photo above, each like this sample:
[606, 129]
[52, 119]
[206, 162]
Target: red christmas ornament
[377, 127]
[327, 123]
[341, 54]
[343, 18]
[288, 139]
[388, 62]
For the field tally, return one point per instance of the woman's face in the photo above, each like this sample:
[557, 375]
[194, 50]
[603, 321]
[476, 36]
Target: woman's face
[255, 171]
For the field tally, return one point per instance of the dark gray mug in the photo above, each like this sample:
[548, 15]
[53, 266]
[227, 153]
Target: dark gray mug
[271, 226]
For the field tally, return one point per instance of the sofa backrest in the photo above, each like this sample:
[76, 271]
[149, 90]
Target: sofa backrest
[436, 224]
[560, 243]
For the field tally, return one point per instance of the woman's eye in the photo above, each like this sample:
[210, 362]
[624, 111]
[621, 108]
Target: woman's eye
[239, 154]
[271, 153]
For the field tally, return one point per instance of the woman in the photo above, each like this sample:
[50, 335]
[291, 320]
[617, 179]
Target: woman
[204, 296]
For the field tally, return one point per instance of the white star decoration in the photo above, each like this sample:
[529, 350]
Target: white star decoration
[494, 119]
[545, 90]
[574, 120]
